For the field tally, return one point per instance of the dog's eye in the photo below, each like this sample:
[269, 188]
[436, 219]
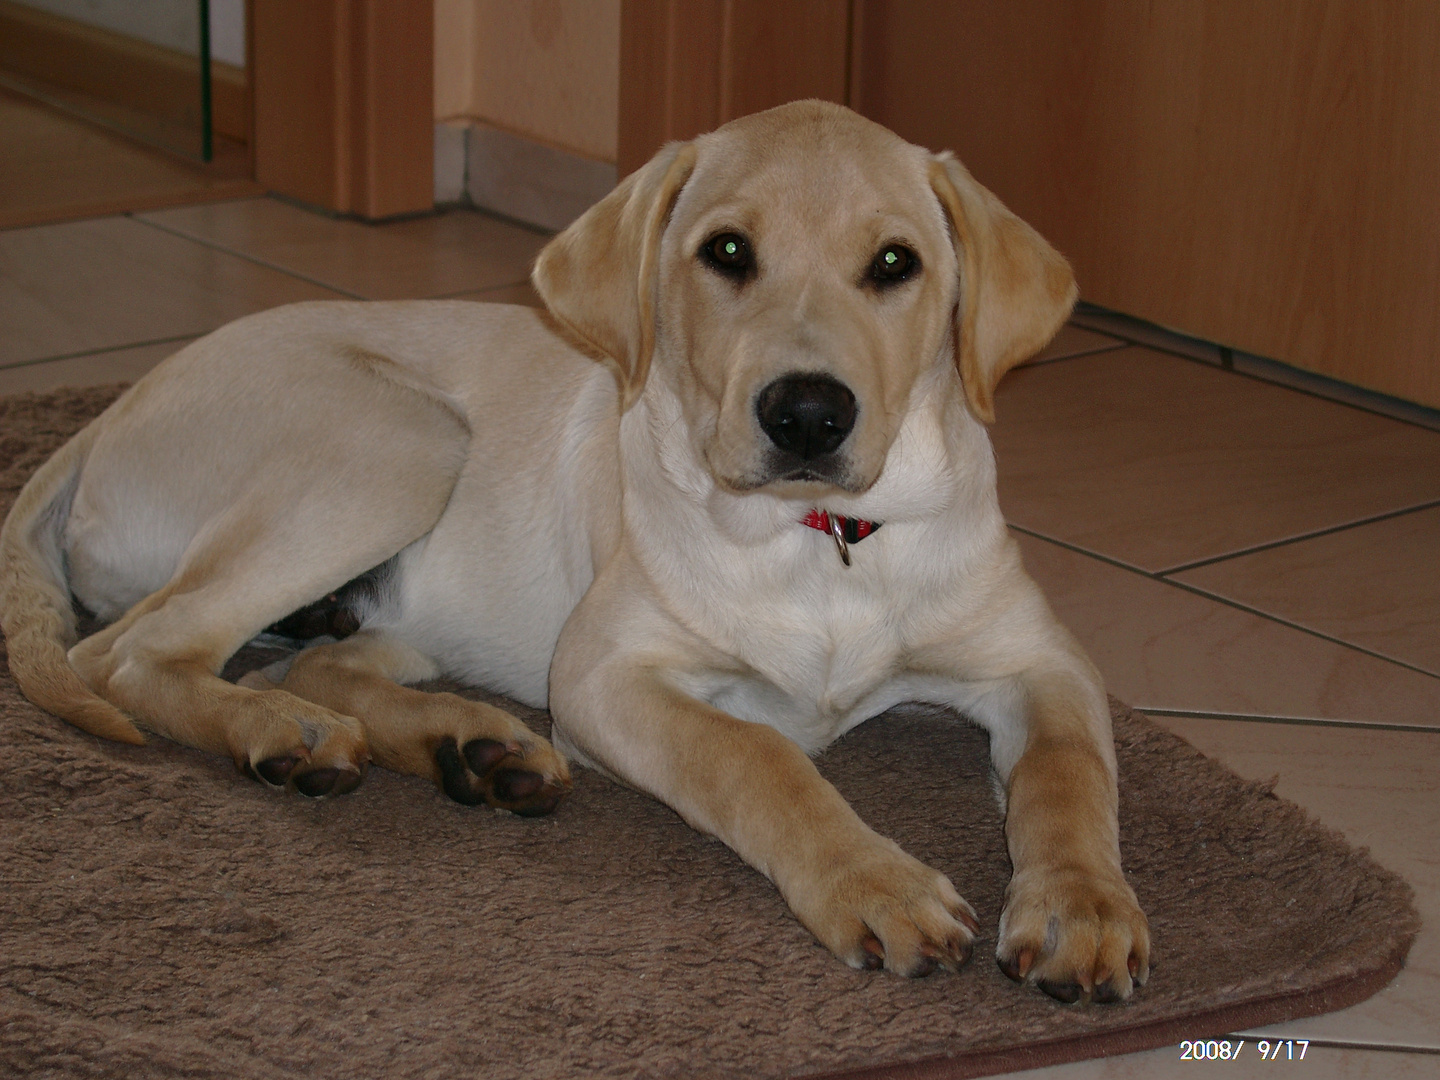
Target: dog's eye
[895, 263]
[729, 253]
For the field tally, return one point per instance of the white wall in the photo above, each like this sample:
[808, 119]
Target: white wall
[546, 70]
[227, 31]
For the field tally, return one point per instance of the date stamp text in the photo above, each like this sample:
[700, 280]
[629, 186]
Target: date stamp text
[1226, 1050]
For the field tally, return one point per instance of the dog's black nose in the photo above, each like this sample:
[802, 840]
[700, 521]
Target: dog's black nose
[808, 415]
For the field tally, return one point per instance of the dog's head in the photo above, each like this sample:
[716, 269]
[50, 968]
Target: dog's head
[796, 271]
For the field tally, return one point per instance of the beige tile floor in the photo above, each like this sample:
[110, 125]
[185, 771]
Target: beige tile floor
[1254, 565]
[58, 168]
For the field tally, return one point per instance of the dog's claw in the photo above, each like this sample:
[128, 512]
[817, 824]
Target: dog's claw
[1105, 993]
[1074, 934]
[1133, 964]
[874, 958]
[963, 953]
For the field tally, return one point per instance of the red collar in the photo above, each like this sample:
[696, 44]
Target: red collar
[854, 529]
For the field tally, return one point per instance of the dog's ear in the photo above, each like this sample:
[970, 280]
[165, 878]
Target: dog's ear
[1015, 289]
[599, 277]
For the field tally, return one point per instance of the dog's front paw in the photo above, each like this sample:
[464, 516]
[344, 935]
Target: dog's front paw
[1074, 933]
[883, 908]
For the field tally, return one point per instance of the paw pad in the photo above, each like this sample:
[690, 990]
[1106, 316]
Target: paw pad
[276, 770]
[473, 774]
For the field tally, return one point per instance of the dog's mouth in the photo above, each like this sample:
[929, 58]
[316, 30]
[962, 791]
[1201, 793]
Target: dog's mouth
[806, 476]
[783, 474]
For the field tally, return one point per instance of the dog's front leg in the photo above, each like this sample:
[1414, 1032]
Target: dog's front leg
[862, 896]
[1071, 923]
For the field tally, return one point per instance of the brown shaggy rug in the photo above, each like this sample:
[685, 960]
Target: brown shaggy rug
[161, 916]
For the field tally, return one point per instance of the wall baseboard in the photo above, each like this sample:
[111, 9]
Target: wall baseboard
[1140, 332]
[119, 70]
[514, 176]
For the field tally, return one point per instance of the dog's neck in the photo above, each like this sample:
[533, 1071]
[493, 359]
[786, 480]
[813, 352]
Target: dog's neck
[940, 458]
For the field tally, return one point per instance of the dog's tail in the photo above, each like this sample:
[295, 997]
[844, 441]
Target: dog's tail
[35, 609]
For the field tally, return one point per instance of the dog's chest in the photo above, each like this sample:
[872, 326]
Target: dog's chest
[815, 652]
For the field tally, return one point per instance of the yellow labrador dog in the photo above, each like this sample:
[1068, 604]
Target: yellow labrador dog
[768, 514]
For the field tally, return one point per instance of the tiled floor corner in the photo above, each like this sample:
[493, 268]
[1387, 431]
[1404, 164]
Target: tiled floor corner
[1161, 462]
[1233, 553]
[1165, 648]
[1381, 789]
[1377, 585]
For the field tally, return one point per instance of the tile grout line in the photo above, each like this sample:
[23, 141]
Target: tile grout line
[1225, 600]
[1181, 568]
[303, 277]
[102, 349]
[1071, 355]
[255, 259]
[82, 353]
[1297, 626]
[1342, 1044]
[1423, 418]
[1172, 348]
[1295, 721]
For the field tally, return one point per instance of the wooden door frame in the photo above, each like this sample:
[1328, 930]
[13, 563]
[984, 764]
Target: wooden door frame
[342, 103]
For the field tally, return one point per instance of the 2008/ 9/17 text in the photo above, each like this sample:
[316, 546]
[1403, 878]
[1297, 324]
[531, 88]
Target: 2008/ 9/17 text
[1225, 1050]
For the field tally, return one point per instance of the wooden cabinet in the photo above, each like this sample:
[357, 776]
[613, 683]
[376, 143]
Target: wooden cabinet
[687, 66]
[1264, 175]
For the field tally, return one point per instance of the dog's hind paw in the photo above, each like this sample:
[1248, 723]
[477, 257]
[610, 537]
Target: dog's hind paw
[529, 781]
[288, 743]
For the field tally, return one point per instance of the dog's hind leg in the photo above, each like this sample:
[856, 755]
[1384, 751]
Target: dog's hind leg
[159, 662]
[475, 752]
[248, 568]
[268, 503]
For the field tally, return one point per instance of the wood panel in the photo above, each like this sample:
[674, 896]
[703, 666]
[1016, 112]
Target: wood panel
[1261, 175]
[343, 93]
[687, 66]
